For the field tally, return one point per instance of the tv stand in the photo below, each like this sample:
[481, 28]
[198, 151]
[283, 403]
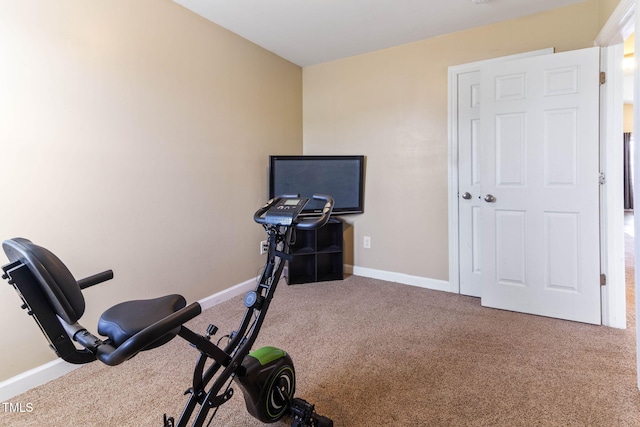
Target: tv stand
[317, 254]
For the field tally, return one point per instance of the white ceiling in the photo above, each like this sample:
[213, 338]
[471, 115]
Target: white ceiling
[308, 32]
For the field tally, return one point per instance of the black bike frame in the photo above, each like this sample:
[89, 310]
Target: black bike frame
[240, 342]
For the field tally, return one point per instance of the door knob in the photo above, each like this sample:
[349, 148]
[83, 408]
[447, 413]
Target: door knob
[466, 196]
[489, 198]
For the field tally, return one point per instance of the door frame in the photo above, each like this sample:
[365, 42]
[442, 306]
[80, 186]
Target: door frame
[618, 27]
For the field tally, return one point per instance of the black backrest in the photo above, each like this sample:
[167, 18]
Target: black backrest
[54, 278]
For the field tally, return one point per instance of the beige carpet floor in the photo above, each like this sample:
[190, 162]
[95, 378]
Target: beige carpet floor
[374, 353]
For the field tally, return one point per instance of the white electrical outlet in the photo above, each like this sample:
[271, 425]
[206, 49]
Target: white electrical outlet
[366, 242]
[263, 247]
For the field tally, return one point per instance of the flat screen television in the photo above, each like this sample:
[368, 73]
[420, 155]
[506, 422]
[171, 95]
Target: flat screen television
[341, 177]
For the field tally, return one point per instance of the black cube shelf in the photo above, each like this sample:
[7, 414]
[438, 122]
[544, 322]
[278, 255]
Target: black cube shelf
[317, 254]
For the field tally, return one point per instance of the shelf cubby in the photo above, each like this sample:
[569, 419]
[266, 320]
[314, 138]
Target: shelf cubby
[317, 254]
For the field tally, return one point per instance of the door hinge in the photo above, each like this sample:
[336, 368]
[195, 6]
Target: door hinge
[602, 178]
[603, 77]
[603, 280]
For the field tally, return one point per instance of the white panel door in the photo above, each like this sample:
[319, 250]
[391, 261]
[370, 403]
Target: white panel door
[540, 182]
[469, 188]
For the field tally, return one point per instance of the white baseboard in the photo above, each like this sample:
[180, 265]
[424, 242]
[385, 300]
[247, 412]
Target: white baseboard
[228, 293]
[33, 378]
[405, 279]
[57, 368]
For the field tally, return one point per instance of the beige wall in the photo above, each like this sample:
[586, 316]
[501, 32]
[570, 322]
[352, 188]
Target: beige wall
[135, 136]
[391, 106]
[606, 8]
[628, 118]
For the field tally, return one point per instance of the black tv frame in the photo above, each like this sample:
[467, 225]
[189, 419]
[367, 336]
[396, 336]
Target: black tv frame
[316, 165]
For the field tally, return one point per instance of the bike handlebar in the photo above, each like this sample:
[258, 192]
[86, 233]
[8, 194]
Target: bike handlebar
[311, 224]
[95, 279]
[257, 217]
[304, 224]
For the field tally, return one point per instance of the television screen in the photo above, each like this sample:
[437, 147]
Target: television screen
[341, 177]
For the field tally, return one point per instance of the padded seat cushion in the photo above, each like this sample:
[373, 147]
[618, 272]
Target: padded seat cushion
[126, 319]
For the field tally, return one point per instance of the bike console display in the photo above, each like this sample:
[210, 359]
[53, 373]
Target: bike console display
[285, 210]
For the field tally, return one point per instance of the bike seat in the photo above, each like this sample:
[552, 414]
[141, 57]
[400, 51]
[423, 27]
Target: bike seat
[54, 298]
[124, 320]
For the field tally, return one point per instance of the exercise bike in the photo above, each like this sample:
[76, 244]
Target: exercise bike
[266, 376]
